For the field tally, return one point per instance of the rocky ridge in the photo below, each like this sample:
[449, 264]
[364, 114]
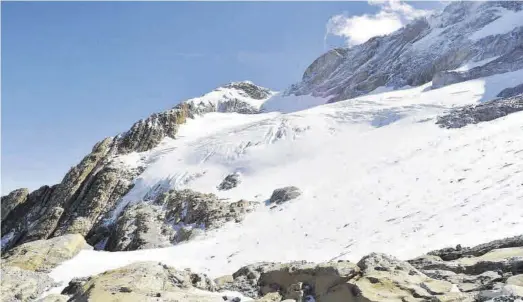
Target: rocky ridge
[488, 272]
[482, 112]
[92, 188]
[423, 51]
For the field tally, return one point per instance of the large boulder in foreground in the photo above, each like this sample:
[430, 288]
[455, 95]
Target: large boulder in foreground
[44, 255]
[22, 285]
[147, 281]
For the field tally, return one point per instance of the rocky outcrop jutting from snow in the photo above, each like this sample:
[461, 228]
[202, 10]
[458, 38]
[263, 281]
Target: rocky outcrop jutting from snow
[483, 112]
[173, 217]
[92, 188]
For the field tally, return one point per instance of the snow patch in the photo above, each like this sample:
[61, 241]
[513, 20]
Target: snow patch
[508, 20]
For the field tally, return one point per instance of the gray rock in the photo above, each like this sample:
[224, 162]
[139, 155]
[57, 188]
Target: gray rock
[141, 226]
[478, 250]
[146, 281]
[90, 191]
[482, 112]
[232, 104]
[295, 280]
[173, 217]
[284, 194]
[75, 286]
[230, 181]
[44, 255]
[511, 61]
[12, 200]
[512, 91]
[416, 54]
[23, 285]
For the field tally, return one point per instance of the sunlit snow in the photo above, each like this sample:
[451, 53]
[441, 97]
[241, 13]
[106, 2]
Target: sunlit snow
[377, 175]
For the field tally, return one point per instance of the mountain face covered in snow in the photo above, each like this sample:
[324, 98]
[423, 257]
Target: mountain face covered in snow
[406, 143]
[423, 51]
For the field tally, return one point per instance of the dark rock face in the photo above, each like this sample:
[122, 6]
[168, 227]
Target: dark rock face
[418, 53]
[230, 181]
[11, 201]
[284, 194]
[173, 217]
[513, 91]
[483, 112]
[508, 62]
[250, 90]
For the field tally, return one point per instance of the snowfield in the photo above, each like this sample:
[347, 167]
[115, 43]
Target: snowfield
[377, 175]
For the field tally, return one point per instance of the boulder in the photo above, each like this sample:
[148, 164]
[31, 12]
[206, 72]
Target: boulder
[44, 255]
[385, 278]
[230, 181]
[22, 285]
[483, 112]
[284, 194]
[147, 281]
[295, 280]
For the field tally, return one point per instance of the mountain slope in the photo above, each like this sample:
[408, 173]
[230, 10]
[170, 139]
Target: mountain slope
[377, 174]
[465, 32]
[389, 146]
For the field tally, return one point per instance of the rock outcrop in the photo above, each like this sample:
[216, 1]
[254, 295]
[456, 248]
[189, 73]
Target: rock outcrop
[512, 91]
[44, 255]
[92, 189]
[173, 217]
[508, 62]
[12, 200]
[284, 194]
[22, 285]
[488, 272]
[230, 181]
[483, 112]
[241, 97]
[145, 281]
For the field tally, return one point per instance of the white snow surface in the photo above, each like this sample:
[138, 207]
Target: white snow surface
[222, 94]
[377, 175]
[508, 20]
[472, 64]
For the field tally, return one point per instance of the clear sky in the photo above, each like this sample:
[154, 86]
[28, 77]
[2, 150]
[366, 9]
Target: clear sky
[76, 72]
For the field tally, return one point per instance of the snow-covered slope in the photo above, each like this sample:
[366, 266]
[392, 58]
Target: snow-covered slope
[241, 97]
[375, 170]
[376, 173]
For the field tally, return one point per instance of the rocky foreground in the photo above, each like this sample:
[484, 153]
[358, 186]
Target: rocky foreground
[487, 272]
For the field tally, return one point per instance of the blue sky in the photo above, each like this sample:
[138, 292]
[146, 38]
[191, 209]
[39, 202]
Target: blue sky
[76, 72]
